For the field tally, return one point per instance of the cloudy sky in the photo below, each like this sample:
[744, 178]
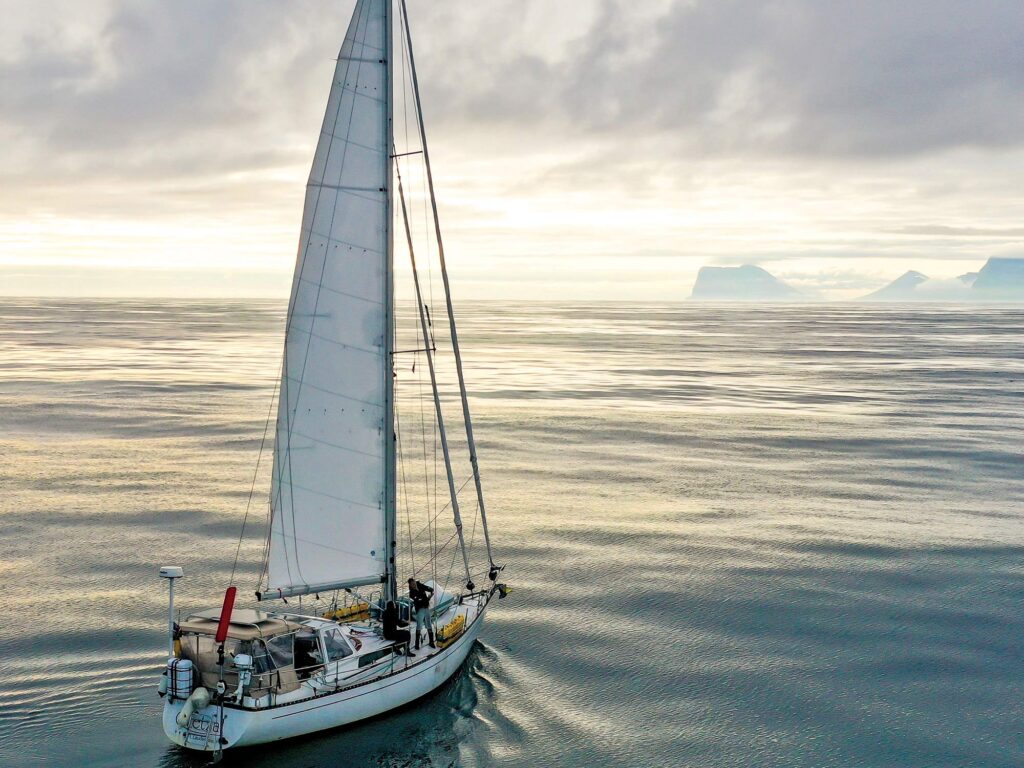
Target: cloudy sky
[592, 149]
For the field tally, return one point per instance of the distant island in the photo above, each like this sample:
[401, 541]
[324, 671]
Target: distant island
[1001, 279]
[746, 283]
[900, 288]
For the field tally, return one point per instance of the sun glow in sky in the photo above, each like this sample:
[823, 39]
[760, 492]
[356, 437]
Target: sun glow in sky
[595, 151]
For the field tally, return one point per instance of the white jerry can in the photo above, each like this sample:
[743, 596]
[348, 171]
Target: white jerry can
[179, 678]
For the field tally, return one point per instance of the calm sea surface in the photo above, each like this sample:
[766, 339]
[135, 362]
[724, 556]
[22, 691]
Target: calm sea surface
[738, 536]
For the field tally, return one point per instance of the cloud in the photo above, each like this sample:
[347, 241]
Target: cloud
[712, 131]
[786, 76]
[938, 229]
[158, 88]
[191, 84]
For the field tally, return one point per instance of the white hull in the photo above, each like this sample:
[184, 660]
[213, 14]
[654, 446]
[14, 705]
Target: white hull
[246, 727]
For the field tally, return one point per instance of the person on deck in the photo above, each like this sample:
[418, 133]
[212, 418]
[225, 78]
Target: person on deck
[420, 594]
[391, 622]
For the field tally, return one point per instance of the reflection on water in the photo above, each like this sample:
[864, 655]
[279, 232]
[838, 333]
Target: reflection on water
[738, 535]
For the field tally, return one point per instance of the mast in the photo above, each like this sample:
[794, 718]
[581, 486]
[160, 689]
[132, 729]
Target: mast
[390, 475]
[433, 384]
[448, 301]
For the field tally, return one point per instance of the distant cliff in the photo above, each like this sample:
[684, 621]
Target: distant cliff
[1001, 279]
[746, 283]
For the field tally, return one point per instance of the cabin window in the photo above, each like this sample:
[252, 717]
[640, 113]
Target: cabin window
[261, 659]
[280, 650]
[369, 658]
[307, 651]
[336, 645]
[201, 650]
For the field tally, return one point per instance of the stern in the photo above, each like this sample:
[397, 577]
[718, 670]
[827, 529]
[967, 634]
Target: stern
[204, 731]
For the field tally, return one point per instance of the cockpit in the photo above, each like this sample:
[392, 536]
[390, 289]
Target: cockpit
[283, 652]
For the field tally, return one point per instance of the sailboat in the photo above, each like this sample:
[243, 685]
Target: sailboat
[242, 676]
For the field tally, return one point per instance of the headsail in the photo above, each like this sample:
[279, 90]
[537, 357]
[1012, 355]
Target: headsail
[333, 449]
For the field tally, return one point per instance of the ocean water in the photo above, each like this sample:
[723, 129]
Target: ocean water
[738, 536]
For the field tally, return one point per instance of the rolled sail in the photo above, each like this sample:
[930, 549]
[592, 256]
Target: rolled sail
[331, 449]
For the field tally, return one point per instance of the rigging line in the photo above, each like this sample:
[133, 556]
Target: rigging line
[438, 552]
[266, 539]
[418, 394]
[428, 497]
[442, 510]
[264, 569]
[405, 489]
[433, 385]
[467, 418]
[255, 474]
[435, 499]
[423, 185]
[270, 495]
[430, 260]
[429, 494]
[286, 459]
[407, 66]
[291, 485]
[451, 567]
[472, 534]
[423, 440]
[405, 90]
[433, 427]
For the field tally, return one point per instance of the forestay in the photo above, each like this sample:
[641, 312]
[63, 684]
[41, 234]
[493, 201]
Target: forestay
[331, 455]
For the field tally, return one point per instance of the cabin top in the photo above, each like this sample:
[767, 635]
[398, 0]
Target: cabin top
[246, 624]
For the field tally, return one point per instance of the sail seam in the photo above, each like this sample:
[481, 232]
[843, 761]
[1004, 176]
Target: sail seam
[332, 392]
[331, 239]
[347, 189]
[320, 544]
[364, 44]
[353, 143]
[343, 293]
[354, 92]
[331, 496]
[335, 445]
[374, 352]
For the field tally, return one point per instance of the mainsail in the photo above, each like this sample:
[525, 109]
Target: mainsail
[333, 456]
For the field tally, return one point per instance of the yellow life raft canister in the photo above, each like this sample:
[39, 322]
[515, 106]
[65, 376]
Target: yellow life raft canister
[446, 635]
[357, 612]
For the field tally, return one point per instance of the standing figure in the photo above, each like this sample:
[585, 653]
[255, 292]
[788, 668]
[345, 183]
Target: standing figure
[420, 594]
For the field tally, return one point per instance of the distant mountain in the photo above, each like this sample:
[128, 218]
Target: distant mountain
[1001, 279]
[900, 289]
[746, 283]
